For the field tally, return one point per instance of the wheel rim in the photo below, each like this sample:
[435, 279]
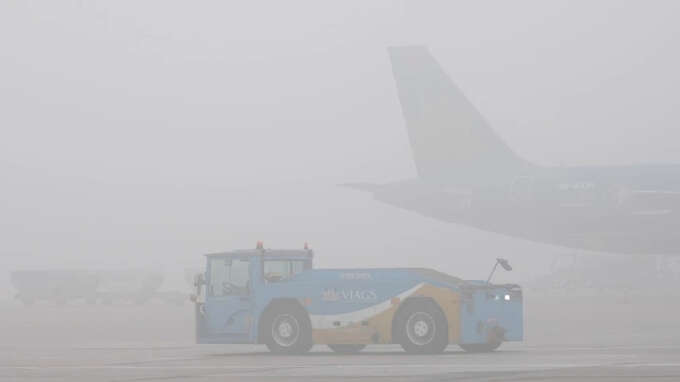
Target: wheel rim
[285, 330]
[420, 328]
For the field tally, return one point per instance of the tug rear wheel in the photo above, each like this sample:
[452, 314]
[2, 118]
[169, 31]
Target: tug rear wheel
[347, 348]
[286, 330]
[421, 328]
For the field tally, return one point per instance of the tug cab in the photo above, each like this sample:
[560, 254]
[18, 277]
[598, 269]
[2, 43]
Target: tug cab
[227, 294]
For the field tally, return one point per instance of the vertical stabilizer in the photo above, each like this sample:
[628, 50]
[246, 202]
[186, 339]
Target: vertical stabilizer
[450, 139]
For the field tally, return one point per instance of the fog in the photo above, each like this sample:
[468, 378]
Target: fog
[145, 134]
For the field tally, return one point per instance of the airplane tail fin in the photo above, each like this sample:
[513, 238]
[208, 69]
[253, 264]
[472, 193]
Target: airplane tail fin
[450, 139]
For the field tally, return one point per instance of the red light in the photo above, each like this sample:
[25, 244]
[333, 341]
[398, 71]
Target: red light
[306, 246]
[259, 245]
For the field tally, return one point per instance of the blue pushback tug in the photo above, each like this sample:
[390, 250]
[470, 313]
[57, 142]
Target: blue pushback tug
[275, 297]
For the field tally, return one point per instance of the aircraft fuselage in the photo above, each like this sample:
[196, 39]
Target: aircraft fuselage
[631, 209]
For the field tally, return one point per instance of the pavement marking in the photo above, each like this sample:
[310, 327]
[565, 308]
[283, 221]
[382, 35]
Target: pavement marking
[391, 366]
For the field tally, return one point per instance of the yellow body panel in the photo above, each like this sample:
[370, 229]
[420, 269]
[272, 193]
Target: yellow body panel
[378, 329]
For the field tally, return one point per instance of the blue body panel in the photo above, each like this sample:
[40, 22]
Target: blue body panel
[488, 307]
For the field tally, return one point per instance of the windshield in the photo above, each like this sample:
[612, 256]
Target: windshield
[228, 277]
[281, 270]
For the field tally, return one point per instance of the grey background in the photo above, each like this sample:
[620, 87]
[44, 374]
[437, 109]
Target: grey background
[144, 133]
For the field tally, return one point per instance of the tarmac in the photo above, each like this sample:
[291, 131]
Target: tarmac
[385, 363]
[569, 338]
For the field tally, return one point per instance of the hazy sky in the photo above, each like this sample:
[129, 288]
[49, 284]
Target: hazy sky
[156, 128]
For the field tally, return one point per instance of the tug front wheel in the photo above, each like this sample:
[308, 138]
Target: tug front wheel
[421, 327]
[286, 329]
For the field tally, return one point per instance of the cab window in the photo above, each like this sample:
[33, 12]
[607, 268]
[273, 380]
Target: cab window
[229, 277]
[281, 270]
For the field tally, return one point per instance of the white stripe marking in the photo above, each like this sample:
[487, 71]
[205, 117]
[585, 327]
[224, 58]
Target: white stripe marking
[326, 321]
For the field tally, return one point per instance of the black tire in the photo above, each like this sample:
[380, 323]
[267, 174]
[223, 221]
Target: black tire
[421, 327]
[480, 348]
[347, 348]
[286, 329]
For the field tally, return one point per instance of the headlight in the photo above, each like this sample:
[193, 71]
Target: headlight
[507, 297]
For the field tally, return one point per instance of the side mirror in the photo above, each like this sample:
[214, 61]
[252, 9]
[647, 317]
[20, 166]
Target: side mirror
[199, 280]
[193, 298]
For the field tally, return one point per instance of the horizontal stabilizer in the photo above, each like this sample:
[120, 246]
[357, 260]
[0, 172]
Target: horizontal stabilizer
[368, 187]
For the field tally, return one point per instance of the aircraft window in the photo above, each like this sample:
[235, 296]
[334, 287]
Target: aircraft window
[281, 270]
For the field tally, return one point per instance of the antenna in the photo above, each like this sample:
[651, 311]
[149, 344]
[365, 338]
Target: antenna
[504, 263]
